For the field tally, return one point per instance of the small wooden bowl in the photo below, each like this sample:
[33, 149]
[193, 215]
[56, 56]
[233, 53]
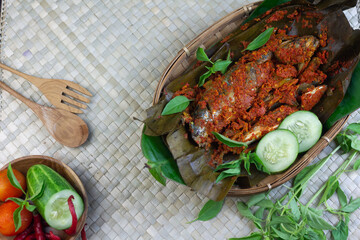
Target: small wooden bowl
[24, 163]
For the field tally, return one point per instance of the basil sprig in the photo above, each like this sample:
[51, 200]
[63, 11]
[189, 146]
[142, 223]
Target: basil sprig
[210, 210]
[160, 163]
[22, 202]
[176, 105]
[260, 40]
[217, 66]
[229, 142]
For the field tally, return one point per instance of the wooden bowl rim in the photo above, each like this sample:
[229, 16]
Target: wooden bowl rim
[185, 54]
[72, 172]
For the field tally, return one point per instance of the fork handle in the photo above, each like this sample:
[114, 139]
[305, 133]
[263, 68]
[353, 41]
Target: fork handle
[32, 79]
[28, 102]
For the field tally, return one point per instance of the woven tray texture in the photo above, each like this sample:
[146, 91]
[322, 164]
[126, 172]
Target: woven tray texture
[118, 51]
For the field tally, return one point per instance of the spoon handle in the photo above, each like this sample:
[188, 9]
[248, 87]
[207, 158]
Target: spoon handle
[28, 102]
[32, 79]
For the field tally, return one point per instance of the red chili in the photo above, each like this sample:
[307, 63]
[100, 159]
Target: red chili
[25, 233]
[38, 227]
[83, 234]
[72, 229]
[52, 236]
[31, 237]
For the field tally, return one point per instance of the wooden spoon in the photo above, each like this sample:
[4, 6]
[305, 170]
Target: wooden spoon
[57, 91]
[67, 128]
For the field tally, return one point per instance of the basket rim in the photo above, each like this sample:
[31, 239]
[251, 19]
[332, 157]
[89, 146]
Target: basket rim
[300, 163]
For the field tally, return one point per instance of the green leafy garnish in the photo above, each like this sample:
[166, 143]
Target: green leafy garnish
[209, 210]
[160, 161]
[217, 66]
[289, 218]
[21, 202]
[229, 142]
[176, 105]
[233, 168]
[260, 40]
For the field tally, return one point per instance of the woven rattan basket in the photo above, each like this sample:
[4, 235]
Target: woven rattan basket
[187, 56]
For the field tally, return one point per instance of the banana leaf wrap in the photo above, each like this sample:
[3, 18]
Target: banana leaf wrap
[343, 56]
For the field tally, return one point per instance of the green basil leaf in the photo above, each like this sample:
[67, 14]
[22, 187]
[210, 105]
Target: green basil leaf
[201, 55]
[29, 207]
[260, 213]
[221, 66]
[255, 199]
[18, 201]
[264, 7]
[356, 164]
[252, 236]
[352, 206]
[228, 173]
[157, 174]
[281, 220]
[355, 143]
[281, 234]
[254, 158]
[17, 217]
[12, 178]
[260, 40]
[294, 208]
[314, 234]
[331, 185]
[245, 211]
[232, 164]
[210, 210]
[317, 221]
[176, 105]
[155, 150]
[355, 127]
[203, 78]
[344, 142]
[342, 197]
[341, 232]
[229, 142]
[265, 203]
[39, 193]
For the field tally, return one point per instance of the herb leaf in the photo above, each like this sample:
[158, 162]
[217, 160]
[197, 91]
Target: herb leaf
[352, 206]
[341, 232]
[157, 174]
[331, 185]
[255, 199]
[229, 142]
[156, 151]
[294, 209]
[317, 221]
[254, 158]
[245, 211]
[201, 55]
[203, 78]
[12, 178]
[265, 203]
[39, 193]
[29, 207]
[355, 127]
[175, 105]
[228, 173]
[18, 201]
[341, 196]
[210, 210]
[356, 164]
[260, 40]
[221, 65]
[17, 217]
[252, 236]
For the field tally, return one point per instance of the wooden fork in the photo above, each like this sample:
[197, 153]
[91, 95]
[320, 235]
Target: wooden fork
[59, 92]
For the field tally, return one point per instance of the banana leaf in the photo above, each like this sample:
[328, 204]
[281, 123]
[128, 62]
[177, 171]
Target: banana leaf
[343, 48]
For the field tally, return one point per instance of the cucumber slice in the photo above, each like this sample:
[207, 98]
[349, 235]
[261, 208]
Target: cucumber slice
[278, 150]
[52, 204]
[57, 213]
[306, 126]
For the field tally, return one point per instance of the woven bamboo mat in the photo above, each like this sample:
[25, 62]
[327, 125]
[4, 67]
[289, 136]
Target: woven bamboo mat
[118, 50]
